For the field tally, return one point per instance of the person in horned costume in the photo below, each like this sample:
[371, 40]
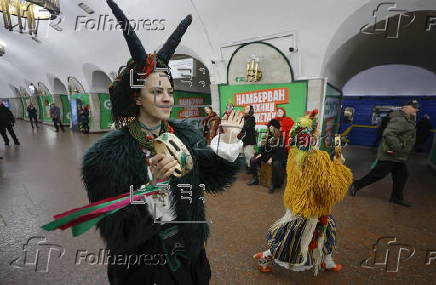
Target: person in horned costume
[305, 237]
[148, 151]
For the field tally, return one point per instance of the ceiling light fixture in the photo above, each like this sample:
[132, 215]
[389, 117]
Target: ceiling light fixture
[86, 8]
[28, 13]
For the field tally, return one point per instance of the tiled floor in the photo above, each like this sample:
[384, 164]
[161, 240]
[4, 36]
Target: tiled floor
[41, 178]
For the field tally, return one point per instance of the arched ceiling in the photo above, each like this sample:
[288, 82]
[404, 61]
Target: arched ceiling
[405, 42]
[319, 25]
[393, 79]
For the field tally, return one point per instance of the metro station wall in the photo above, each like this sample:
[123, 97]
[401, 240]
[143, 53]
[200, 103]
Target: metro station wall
[66, 109]
[364, 132]
[15, 105]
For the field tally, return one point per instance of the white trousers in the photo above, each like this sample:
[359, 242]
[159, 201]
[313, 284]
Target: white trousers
[248, 153]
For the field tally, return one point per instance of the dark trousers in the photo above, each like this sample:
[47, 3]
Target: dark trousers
[11, 132]
[57, 124]
[33, 119]
[85, 127]
[383, 168]
[277, 170]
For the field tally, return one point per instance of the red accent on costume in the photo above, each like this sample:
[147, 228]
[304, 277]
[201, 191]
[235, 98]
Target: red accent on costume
[286, 124]
[150, 63]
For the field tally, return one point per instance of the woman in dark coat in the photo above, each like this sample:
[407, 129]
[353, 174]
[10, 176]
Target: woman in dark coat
[170, 228]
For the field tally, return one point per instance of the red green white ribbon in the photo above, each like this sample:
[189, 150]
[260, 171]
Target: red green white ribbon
[82, 219]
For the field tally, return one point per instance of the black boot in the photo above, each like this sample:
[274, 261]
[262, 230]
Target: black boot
[271, 189]
[254, 181]
[401, 202]
[353, 190]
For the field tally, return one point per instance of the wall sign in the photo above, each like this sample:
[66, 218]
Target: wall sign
[264, 101]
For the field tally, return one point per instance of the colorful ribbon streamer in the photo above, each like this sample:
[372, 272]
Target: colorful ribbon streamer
[83, 218]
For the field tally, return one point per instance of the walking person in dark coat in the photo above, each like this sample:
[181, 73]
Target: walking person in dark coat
[55, 114]
[397, 143]
[31, 111]
[7, 121]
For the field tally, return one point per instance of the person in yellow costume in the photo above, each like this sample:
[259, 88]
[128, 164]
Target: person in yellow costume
[305, 237]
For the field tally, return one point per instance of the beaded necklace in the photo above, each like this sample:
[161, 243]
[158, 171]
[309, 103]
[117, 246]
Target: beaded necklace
[136, 129]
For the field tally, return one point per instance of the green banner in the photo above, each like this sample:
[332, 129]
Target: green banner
[105, 111]
[44, 102]
[82, 98]
[66, 109]
[189, 99]
[266, 98]
[186, 109]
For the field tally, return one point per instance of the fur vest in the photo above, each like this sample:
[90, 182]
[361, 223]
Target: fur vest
[115, 162]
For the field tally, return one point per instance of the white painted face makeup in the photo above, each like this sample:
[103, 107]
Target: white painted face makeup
[156, 98]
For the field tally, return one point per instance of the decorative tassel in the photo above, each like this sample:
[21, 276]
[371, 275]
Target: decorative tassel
[306, 238]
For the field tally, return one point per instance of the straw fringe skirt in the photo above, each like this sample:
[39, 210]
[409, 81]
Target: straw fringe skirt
[289, 239]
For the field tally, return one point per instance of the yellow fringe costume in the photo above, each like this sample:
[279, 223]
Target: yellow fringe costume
[315, 183]
[305, 237]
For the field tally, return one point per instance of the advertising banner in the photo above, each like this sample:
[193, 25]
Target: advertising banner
[186, 107]
[266, 99]
[66, 108]
[44, 102]
[105, 111]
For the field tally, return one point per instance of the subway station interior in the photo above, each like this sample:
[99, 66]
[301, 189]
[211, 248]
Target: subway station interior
[217, 142]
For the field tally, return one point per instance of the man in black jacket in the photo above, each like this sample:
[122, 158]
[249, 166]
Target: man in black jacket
[31, 111]
[7, 121]
[55, 114]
